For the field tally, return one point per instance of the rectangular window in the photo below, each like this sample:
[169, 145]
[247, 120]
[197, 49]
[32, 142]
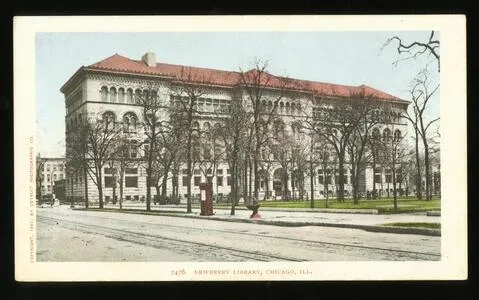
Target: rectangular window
[209, 171]
[184, 172]
[146, 150]
[48, 177]
[133, 149]
[228, 180]
[377, 178]
[328, 179]
[131, 181]
[109, 170]
[388, 178]
[185, 180]
[207, 154]
[228, 171]
[321, 179]
[197, 172]
[108, 181]
[197, 180]
[54, 176]
[219, 171]
[54, 168]
[209, 179]
[131, 170]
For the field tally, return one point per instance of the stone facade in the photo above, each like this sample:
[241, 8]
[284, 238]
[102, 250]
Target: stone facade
[101, 88]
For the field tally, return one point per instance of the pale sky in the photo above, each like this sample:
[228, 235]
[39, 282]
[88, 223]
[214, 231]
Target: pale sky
[351, 58]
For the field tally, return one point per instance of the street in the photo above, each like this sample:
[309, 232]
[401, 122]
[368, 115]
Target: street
[74, 235]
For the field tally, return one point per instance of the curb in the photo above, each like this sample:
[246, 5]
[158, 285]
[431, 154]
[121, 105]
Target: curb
[433, 213]
[372, 228]
[312, 210]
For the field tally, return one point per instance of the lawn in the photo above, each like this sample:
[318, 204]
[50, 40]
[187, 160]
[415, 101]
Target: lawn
[415, 225]
[383, 206]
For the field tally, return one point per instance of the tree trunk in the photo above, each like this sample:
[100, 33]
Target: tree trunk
[394, 187]
[427, 170]
[189, 173]
[148, 186]
[100, 189]
[71, 190]
[326, 190]
[86, 187]
[114, 192]
[121, 190]
[418, 168]
[245, 181]
[311, 182]
[250, 182]
[255, 173]
[341, 175]
[233, 186]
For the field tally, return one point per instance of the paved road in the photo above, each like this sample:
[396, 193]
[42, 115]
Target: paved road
[71, 235]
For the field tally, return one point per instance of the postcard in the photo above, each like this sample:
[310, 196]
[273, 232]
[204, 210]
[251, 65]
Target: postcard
[240, 148]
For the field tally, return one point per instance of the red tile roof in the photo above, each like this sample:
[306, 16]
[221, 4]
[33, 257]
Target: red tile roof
[120, 63]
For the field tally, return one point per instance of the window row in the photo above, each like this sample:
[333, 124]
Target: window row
[387, 135]
[129, 121]
[281, 107]
[122, 95]
[202, 104]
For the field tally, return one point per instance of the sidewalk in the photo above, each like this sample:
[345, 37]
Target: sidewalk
[290, 217]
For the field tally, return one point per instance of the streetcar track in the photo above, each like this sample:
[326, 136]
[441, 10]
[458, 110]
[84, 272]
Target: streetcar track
[289, 239]
[116, 234]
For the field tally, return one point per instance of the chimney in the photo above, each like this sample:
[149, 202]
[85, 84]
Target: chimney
[149, 59]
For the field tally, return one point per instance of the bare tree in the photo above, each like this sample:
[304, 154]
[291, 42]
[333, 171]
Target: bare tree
[264, 93]
[233, 133]
[153, 126]
[77, 150]
[40, 165]
[421, 93]
[281, 147]
[100, 135]
[412, 50]
[123, 159]
[186, 90]
[338, 122]
[363, 109]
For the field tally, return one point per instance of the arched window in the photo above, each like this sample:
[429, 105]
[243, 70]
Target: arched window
[104, 93]
[287, 108]
[112, 94]
[293, 108]
[386, 135]
[281, 107]
[206, 126]
[109, 120]
[279, 128]
[121, 95]
[137, 97]
[129, 96]
[397, 135]
[129, 122]
[376, 134]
